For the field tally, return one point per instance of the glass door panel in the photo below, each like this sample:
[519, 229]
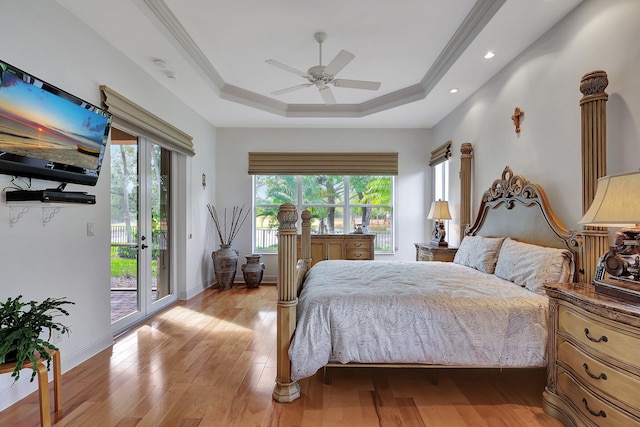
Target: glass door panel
[160, 222]
[140, 229]
[125, 301]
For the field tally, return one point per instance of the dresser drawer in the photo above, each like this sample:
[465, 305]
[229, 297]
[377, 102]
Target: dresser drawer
[614, 341]
[363, 245]
[358, 254]
[359, 249]
[602, 378]
[592, 408]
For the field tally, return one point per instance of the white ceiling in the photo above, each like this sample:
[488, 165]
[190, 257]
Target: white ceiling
[417, 49]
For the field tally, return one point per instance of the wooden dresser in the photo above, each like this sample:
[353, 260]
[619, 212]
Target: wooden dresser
[426, 252]
[340, 246]
[594, 358]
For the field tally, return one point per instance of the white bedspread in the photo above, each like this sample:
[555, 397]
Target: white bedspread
[415, 312]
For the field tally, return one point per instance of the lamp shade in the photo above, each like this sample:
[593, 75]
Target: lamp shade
[616, 203]
[439, 211]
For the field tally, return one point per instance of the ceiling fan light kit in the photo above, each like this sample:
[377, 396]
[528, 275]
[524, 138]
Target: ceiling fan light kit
[322, 76]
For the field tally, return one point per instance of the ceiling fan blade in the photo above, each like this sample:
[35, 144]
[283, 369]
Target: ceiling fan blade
[291, 89]
[327, 95]
[287, 68]
[339, 62]
[356, 84]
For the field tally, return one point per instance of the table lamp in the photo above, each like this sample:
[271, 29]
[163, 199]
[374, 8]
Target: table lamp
[616, 204]
[439, 212]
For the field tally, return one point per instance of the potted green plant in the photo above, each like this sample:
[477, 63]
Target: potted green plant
[21, 324]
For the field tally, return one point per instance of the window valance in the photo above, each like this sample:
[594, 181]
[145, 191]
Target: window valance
[133, 116]
[300, 163]
[440, 154]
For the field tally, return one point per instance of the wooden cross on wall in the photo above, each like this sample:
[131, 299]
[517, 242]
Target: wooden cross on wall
[516, 118]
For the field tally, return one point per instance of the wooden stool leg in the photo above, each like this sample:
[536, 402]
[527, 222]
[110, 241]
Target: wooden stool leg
[43, 391]
[57, 381]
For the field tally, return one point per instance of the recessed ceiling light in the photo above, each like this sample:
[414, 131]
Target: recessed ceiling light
[489, 55]
[454, 90]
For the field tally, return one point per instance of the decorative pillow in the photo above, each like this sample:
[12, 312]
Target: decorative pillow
[532, 266]
[479, 252]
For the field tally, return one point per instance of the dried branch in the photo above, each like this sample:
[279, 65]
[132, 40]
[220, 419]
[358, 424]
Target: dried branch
[236, 222]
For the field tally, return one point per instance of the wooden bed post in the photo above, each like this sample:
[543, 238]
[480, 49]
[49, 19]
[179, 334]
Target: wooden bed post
[305, 240]
[465, 187]
[286, 390]
[594, 163]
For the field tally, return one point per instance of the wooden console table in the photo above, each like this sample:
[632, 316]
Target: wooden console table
[43, 384]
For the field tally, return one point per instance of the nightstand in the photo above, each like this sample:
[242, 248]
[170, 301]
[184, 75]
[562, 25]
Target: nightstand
[426, 252]
[593, 367]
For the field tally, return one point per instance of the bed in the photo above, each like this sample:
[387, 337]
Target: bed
[486, 309]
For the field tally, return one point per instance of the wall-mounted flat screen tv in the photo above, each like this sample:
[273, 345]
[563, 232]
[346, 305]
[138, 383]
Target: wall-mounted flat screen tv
[48, 133]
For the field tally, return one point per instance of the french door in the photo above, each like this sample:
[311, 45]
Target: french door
[140, 229]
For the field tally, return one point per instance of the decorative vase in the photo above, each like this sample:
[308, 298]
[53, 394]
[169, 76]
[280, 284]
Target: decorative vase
[225, 263]
[253, 270]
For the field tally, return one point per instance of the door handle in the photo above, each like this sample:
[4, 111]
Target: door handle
[144, 246]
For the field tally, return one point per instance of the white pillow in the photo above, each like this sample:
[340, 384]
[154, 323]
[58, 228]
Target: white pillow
[479, 252]
[532, 266]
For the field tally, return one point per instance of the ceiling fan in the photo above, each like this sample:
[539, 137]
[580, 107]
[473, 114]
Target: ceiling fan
[321, 76]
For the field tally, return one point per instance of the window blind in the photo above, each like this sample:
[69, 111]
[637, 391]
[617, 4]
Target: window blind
[300, 163]
[146, 123]
[440, 154]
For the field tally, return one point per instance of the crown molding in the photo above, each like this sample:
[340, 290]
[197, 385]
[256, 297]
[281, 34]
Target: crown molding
[162, 17]
[473, 24]
[252, 99]
[170, 27]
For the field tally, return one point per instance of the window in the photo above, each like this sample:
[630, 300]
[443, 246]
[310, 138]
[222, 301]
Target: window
[338, 205]
[441, 181]
[441, 185]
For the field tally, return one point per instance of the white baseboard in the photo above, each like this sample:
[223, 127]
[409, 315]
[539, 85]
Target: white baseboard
[270, 279]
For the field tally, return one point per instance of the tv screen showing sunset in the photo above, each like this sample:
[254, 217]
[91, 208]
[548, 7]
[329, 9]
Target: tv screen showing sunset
[39, 124]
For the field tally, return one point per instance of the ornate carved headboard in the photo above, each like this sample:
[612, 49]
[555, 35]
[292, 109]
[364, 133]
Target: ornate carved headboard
[514, 207]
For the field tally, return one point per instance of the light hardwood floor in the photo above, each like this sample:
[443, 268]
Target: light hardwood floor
[210, 361]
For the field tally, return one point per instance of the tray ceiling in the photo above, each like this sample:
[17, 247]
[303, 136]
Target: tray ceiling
[211, 54]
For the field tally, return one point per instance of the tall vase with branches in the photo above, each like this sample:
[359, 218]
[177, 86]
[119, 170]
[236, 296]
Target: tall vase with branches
[225, 259]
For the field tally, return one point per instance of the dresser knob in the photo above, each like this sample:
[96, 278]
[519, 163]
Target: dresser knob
[595, 377]
[602, 338]
[601, 413]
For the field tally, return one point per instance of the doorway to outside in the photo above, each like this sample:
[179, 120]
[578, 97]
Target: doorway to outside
[140, 229]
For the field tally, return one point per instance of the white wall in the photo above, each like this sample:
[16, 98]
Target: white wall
[544, 82]
[233, 185]
[59, 259]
